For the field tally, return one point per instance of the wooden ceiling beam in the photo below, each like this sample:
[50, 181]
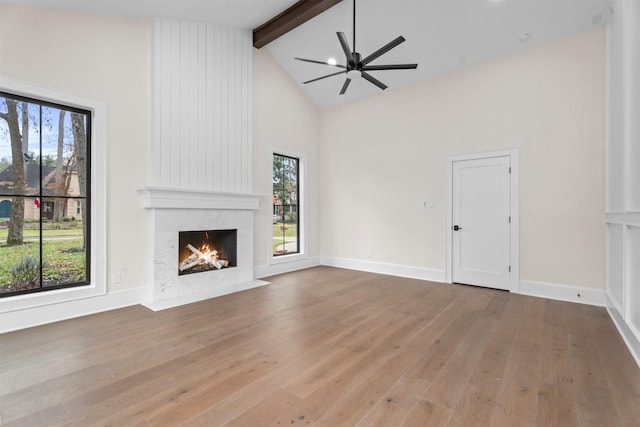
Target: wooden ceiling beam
[296, 15]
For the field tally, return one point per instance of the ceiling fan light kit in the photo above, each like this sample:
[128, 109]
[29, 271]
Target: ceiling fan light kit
[354, 74]
[356, 67]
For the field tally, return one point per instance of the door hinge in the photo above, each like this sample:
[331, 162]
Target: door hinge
[509, 219]
[509, 269]
[509, 169]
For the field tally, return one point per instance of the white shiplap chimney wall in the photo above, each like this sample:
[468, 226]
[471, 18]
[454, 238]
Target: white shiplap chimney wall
[201, 115]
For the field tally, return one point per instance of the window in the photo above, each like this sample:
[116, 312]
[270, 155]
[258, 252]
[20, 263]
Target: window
[44, 175]
[286, 191]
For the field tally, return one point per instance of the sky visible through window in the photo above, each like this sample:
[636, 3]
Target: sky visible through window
[49, 130]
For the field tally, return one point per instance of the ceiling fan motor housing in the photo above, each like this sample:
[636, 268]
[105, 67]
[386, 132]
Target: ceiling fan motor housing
[356, 63]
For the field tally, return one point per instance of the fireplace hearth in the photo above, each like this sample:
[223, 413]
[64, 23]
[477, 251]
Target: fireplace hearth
[206, 250]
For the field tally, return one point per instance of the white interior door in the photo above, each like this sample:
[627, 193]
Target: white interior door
[481, 222]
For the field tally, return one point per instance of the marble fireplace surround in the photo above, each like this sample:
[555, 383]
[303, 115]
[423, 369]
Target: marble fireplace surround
[175, 210]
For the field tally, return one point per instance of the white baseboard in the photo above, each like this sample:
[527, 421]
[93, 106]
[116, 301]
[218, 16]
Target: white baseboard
[262, 271]
[568, 293]
[630, 336]
[35, 316]
[421, 273]
[201, 296]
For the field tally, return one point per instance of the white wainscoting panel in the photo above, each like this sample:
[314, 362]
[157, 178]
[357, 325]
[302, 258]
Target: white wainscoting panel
[615, 268]
[623, 170]
[201, 115]
[633, 302]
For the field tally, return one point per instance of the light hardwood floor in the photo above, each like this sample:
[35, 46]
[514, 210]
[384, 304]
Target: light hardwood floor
[329, 347]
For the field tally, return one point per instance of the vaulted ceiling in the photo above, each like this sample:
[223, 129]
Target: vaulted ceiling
[441, 35]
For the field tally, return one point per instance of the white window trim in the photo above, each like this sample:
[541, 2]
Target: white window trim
[98, 282]
[302, 208]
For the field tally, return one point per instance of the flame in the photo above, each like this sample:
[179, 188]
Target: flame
[205, 254]
[206, 250]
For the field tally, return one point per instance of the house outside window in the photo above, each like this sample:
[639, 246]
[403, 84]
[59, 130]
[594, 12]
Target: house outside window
[286, 221]
[44, 178]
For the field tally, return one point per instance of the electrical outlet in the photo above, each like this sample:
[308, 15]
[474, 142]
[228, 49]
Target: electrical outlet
[115, 278]
[428, 204]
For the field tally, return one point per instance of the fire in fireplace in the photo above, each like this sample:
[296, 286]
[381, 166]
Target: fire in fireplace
[207, 250]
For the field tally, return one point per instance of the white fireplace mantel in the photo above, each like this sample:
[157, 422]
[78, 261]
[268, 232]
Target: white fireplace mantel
[179, 198]
[177, 209]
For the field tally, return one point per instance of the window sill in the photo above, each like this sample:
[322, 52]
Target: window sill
[39, 299]
[288, 258]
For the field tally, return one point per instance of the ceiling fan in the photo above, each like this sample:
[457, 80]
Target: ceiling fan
[356, 66]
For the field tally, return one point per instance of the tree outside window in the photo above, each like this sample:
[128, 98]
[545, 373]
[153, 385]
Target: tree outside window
[44, 198]
[286, 225]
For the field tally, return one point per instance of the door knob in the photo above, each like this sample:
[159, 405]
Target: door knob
[456, 228]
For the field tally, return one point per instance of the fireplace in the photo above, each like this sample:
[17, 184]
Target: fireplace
[230, 215]
[206, 250]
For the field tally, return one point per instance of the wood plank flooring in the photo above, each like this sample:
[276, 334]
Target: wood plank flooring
[328, 347]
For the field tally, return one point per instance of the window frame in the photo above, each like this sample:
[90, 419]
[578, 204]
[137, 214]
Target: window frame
[97, 187]
[46, 204]
[302, 208]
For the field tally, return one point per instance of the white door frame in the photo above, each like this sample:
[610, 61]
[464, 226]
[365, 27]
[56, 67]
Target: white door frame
[514, 243]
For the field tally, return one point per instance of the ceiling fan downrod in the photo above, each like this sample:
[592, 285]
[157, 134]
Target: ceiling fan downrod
[354, 26]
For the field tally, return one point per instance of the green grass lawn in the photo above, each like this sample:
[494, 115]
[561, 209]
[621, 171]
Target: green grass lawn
[281, 232]
[34, 232]
[277, 242]
[278, 237]
[64, 260]
[290, 230]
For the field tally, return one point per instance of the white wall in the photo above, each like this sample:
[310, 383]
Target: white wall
[382, 156]
[106, 59]
[283, 119]
[623, 171]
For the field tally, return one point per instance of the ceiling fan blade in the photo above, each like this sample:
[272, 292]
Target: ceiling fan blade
[345, 46]
[345, 86]
[320, 62]
[373, 80]
[323, 77]
[390, 67]
[384, 49]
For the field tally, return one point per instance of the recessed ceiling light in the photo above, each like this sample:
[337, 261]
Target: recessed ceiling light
[524, 37]
[597, 19]
[332, 61]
